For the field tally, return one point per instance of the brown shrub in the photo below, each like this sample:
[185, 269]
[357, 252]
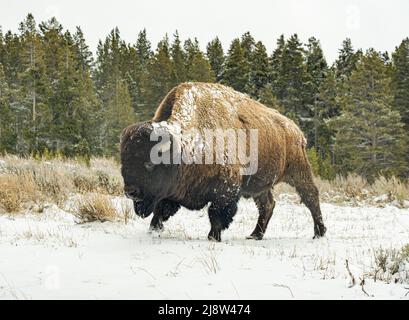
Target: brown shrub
[95, 207]
[15, 191]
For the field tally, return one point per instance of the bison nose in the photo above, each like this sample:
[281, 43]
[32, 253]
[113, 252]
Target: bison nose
[132, 192]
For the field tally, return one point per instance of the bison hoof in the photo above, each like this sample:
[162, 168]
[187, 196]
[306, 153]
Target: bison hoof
[255, 236]
[319, 231]
[214, 236]
[158, 228]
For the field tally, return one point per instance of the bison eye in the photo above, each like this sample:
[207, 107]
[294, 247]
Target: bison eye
[149, 166]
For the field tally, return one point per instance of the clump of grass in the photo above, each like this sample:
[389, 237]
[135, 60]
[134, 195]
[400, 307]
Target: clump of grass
[95, 207]
[393, 187]
[126, 211]
[210, 262]
[15, 191]
[391, 265]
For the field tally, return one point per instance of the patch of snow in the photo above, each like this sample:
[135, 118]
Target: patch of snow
[381, 198]
[49, 256]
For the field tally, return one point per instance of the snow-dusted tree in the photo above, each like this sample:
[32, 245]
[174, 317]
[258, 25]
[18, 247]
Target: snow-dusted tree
[215, 55]
[370, 138]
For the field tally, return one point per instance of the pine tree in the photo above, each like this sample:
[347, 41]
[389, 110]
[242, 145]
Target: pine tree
[400, 81]
[316, 72]
[143, 49]
[32, 85]
[326, 108]
[290, 77]
[140, 76]
[370, 137]
[216, 58]
[109, 63]
[7, 136]
[86, 104]
[2, 53]
[400, 77]
[108, 72]
[347, 60]
[259, 71]
[178, 60]
[160, 76]
[119, 115]
[276, 68]
[197, 66]
[236, 70]
[84, 57]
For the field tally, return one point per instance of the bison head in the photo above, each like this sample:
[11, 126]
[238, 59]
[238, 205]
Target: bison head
[145, 183]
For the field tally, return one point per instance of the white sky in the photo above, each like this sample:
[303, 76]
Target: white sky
[380, 24]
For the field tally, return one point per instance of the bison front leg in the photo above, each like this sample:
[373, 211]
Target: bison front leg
[220, 217]
[265, 204]
[163, 210]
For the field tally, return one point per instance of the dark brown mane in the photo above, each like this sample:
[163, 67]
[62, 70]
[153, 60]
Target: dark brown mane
[166, 106]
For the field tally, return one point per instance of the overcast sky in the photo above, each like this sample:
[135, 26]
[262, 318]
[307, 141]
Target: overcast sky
[378, 23]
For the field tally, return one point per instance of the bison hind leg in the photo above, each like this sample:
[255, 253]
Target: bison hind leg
[265, 204]
[220, 217]
[303, 182]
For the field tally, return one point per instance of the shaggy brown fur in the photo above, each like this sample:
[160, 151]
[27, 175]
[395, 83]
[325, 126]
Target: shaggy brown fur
[281, 158]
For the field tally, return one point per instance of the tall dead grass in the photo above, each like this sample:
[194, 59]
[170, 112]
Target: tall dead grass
[16, 190]
[27, 180]
[95, 207]
[24, 181]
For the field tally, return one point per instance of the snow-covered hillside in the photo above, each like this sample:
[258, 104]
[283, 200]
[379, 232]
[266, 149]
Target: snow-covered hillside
[48, 255]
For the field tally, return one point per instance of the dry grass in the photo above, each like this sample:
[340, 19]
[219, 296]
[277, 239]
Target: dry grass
[95, 207]
[24, 180]
[17, 190]
[355, 189]
[391, 265]
[27, 180]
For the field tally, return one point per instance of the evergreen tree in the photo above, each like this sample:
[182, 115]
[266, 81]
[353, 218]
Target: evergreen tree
[290, 79]
[178, 60]
[139, 91]
[276, 66]
[400, 78]
[119, 115]
[216, 57]
[84, 57]
[1, 45]
[326, 108]
[236, 69]
[370, 137]
[259, 71]
[267, 97]
[347, 60]
[160, 76]
[7, 136]
[197, 66]
[32, 85]
[400, 81]
[316, 72]
[143, 49]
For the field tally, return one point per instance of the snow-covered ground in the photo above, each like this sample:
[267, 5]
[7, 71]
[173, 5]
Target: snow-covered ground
[48, 255]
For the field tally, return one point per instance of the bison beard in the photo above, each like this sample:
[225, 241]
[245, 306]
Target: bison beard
[165, 188]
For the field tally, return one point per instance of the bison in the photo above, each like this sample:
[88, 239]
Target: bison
[162, 188]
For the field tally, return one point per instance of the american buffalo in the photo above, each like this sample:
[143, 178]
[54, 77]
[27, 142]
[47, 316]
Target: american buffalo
[162, 188]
